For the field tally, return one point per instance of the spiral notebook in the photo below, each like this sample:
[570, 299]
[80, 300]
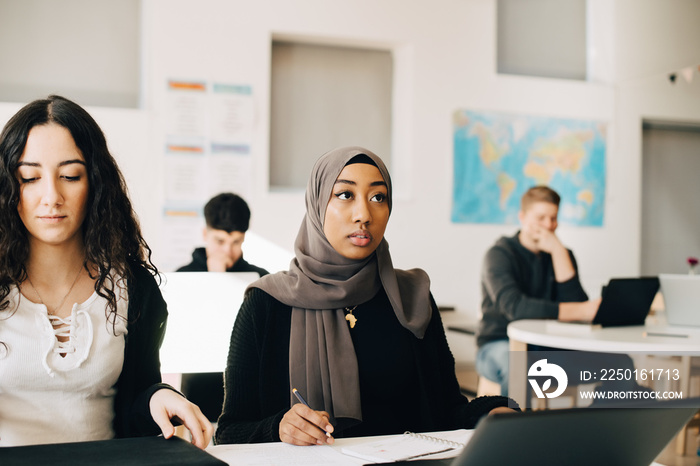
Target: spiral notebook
[408, 446]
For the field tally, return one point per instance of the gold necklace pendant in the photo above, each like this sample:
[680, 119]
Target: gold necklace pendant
[352, 319]
[349, 317]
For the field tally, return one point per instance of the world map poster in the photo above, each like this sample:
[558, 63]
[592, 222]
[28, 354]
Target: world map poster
[497, 157]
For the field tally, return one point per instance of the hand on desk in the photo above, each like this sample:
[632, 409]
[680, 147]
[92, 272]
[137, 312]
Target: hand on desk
[166, 404]
[302, 425]
[580, 312]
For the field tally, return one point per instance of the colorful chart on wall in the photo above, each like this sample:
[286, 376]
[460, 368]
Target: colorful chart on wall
[497, 157]
[208, 134]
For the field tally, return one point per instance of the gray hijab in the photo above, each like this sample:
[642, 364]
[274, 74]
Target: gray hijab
[320, 283]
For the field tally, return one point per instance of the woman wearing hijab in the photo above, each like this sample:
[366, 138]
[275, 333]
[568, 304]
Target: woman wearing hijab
[362, 342]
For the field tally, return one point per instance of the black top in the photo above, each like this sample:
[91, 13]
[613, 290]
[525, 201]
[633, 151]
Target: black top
[199, 264]
[518, 284]
[406, 383]
[140, 376]
[388, 378]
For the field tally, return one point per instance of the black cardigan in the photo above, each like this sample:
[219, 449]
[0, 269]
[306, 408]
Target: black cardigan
[257, 391]
[140, 376]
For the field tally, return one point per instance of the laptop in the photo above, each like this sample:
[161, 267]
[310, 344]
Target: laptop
[626, 301]
[151, 451]
[202, 307]
[681, 299]
[631, 434]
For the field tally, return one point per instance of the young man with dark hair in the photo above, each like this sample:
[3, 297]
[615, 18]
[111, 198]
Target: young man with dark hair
[530, 275]
[227, 218]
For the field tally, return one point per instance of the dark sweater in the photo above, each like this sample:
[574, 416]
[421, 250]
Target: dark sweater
[405, 383]
[519, 284]
[199, 264]
[140, 376]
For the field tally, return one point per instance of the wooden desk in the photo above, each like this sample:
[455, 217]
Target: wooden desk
[649, 339]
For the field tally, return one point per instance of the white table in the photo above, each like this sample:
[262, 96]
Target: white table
[653, 338]
[283, 454]
[278, 453]
[641, 338]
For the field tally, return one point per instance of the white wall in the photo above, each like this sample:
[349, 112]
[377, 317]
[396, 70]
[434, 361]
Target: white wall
[451, 44]
[448, 50]
[86, 50]
[654, 38]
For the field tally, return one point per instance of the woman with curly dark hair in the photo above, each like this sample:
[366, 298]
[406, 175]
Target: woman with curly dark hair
[81, 315]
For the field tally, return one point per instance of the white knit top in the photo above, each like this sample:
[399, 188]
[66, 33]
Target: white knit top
[51, 391]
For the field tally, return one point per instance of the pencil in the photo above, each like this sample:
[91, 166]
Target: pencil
[303, 401]
[655, 334]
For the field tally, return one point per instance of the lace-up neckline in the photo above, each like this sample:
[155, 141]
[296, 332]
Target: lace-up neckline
[62, 331]
[70, 340]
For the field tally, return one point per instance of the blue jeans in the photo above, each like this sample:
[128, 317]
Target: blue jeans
[492, 362]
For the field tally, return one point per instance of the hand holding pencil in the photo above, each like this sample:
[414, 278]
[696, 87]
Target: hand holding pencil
[302, 425]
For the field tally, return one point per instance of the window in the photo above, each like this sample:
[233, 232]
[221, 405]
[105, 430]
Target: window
[85, 50]
[545, 38]
[323, 97]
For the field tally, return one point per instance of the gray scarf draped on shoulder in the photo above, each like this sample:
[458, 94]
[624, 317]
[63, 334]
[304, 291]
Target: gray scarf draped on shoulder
[320, 283]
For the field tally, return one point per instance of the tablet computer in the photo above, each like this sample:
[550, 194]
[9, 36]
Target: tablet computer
[626, 301]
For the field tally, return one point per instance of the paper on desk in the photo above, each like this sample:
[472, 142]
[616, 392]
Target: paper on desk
[274, 454]
[278, 453]
[409, 446]
[460, 435]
